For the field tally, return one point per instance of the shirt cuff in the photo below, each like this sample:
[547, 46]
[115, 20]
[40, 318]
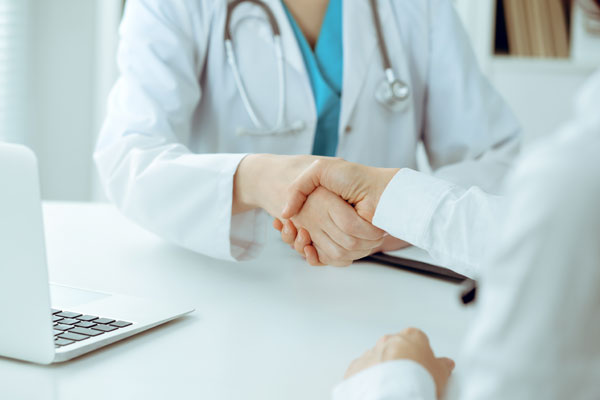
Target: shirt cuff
[397, 380]
[408, 203]
[220, 234]
[246, 231]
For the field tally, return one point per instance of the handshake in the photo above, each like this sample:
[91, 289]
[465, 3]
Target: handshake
[328, 212]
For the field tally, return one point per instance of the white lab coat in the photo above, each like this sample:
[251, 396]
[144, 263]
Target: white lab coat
[168, 151]
[535, 335]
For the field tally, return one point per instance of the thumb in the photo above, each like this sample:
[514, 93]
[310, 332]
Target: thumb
[447, 363]
[301, 188]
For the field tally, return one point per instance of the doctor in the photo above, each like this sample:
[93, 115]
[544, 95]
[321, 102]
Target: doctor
[220, 105]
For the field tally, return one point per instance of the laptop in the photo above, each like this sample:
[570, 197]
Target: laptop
[44, 323]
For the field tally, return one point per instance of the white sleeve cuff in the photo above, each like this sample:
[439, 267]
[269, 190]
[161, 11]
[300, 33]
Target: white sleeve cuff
[215, 231]
[245, 232]
[408, 203]
[393, 380]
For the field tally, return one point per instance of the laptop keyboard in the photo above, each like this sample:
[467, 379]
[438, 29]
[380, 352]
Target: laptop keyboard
[71, 327]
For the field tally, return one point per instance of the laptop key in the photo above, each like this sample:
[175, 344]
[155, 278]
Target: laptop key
[68, 314]
[105, 328]
[55, 318]
[84, 324]
[62, 342]
[61, 327]
[120, 324]
[55, 311]
[69, 321]
[57, 332]
[87, 318]
[73, 336]
[104, 321]
[86, 331]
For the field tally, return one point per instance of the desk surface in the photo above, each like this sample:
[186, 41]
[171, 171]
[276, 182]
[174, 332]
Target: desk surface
[273, 328]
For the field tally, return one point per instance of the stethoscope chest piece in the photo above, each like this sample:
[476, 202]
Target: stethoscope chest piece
[393, 95]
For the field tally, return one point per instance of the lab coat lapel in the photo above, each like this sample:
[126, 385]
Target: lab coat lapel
[360, 44]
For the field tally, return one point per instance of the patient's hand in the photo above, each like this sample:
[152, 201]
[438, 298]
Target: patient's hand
[301, 241]
[410, 344]
[338, 235]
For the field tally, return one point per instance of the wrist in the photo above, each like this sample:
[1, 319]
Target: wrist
[246, 183]
[380, 179]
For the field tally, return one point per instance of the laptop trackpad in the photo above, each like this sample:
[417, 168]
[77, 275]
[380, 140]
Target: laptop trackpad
[65, 296]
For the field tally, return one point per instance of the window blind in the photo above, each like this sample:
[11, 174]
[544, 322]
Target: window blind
[14, 54]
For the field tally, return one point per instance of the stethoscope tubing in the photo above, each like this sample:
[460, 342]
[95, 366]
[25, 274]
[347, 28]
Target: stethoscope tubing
[390, 76]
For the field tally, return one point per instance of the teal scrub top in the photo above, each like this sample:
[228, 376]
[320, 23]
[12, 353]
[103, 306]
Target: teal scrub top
[325, 70]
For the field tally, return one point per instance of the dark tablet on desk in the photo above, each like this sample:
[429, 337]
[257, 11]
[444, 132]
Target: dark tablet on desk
[418, 261]
[419, 267]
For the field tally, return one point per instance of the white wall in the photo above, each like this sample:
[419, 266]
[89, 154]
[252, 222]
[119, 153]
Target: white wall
[71, 47]
[63, 95]
[540, 93]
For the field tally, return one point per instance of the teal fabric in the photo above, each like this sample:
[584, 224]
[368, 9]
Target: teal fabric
[325, 69]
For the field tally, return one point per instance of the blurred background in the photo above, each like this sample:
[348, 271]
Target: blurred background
[57, 65]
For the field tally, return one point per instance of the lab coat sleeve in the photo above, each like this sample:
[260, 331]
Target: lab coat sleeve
[142, 158]
[470, 135]
[393, 380]
[454, 224]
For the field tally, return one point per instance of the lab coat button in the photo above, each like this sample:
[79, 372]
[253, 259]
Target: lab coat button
[348, 129]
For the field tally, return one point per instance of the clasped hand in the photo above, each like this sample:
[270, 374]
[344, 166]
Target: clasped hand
[329, 210]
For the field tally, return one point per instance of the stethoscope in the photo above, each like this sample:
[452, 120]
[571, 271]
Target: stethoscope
[392, 93]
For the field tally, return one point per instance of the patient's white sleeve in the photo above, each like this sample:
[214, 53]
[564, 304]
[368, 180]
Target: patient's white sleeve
[393, 380]
[454, 224]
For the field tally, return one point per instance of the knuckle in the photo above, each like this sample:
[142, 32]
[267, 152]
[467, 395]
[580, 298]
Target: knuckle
[417, 334]
[410, 331]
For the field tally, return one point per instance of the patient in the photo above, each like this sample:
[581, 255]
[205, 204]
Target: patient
[535, 334]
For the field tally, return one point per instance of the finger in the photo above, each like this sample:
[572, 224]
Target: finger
[302, 187]
[332, 253]
[447, 363]
[382, 340]
[312, 257]
[349, 222]
[338, 208]
[359, 247]
[277, 224]
[327, 260]
[289, 232]
[302, 240]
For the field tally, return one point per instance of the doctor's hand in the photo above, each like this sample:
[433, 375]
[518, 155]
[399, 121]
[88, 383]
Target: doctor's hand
[301, 241]
[335, 234]
[410, 344]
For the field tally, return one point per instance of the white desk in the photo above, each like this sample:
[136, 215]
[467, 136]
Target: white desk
[273, 328]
